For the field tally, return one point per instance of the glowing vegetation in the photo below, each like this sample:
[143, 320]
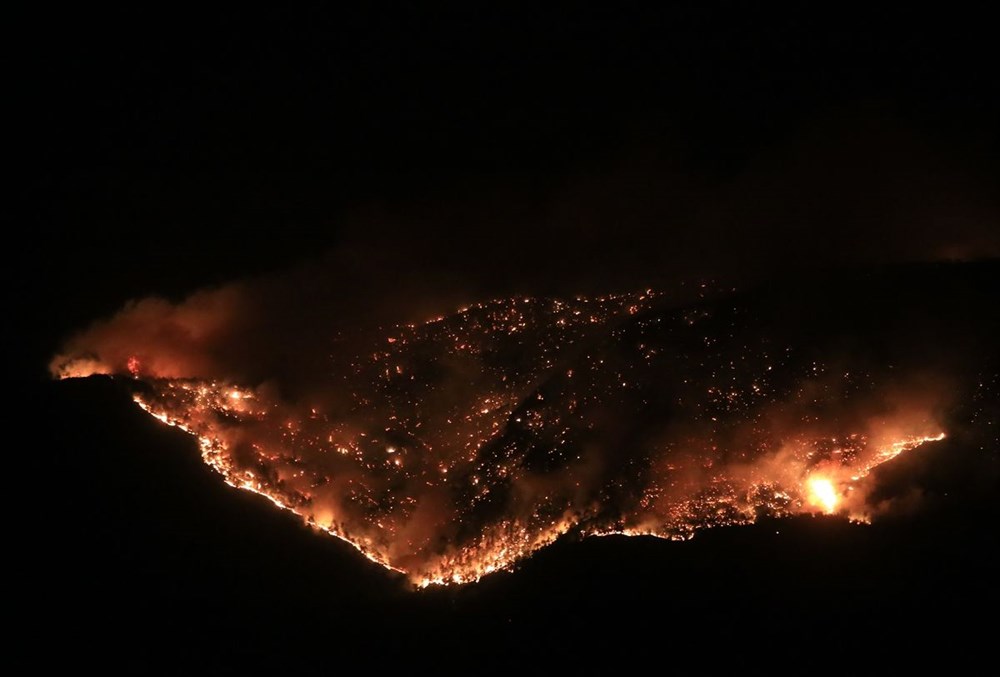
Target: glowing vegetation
[455, 448]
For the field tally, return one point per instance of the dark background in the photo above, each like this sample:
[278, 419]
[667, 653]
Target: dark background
[544, 150]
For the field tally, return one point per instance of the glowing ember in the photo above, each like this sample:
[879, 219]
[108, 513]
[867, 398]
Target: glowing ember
[453, 449]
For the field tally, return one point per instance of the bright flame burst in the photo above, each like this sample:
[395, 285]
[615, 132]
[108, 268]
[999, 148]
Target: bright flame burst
[822, 493]
[447, 463]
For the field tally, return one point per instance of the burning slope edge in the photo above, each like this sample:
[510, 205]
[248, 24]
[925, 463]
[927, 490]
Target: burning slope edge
[827, 490]
[459, 446]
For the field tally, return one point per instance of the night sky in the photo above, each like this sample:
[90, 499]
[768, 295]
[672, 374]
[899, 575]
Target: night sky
[387, 166]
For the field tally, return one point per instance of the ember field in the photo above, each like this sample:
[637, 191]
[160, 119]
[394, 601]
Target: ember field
[461, 445]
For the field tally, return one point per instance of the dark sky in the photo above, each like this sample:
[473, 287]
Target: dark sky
[556, 149]
[188, 149]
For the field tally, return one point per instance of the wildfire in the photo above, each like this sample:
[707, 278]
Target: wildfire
[473, 440]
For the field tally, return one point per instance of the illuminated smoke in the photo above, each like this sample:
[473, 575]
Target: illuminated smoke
[455, 447]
